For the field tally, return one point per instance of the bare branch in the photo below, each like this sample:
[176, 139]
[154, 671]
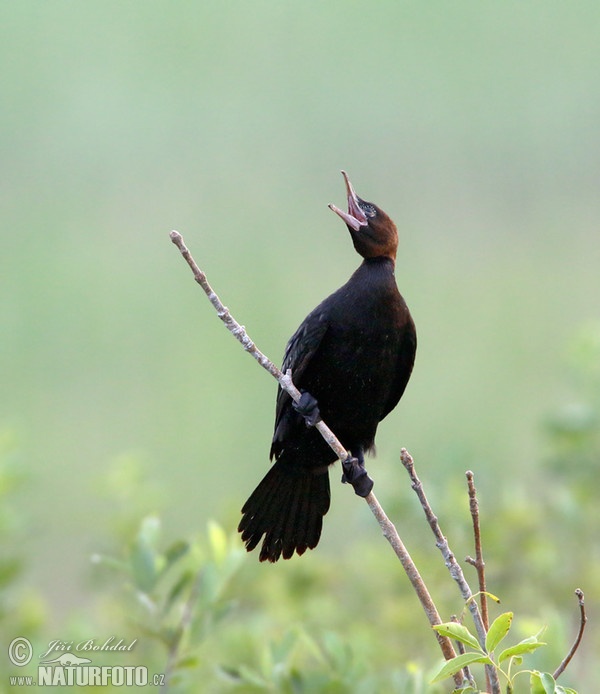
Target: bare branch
[451, 564]
[391, 535]
[478, 562]
[582, 622]
[239, 332]
[285, 380]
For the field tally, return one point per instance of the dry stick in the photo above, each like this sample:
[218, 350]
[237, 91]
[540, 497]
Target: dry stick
[582, 621]
[478, 562]
[451, 564]
[285, 381]
[391, 535]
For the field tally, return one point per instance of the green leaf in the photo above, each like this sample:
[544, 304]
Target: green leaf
[282, 648]
[266, 663]
[458, 632]
[170, 635]
[183, 582]
[209, 586]
[497, 631]
[542, 683]
[221, 610]
[528, 645]
[340, 654]
[250, 676]
[229, 673]
[149, 532]
[491, 596]
[143, 565]
[189, 661]
[111, 562]
[144, 556]
[312, 646]
[218, 541]
[546, 684]
[175, 552]
[451, 667]
[232, 563]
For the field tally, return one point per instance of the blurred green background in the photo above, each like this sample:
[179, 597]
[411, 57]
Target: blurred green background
[475, 125]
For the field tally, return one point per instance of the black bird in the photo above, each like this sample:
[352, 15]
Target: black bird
[353, 355]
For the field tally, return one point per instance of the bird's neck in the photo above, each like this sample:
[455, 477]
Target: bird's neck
[381, 263]
[374, 272]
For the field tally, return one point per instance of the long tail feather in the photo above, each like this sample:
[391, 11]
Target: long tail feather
[287, 508]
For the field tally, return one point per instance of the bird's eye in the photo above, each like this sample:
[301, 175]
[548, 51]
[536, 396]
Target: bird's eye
[368, 209]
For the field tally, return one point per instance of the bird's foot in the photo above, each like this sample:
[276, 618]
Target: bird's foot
[308, 407]
[356, 474]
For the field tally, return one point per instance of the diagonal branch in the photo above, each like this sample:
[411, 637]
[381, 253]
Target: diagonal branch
[285, 381]
[240, 334]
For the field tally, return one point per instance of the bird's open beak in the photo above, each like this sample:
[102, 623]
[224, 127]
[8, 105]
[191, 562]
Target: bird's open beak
[355, 217]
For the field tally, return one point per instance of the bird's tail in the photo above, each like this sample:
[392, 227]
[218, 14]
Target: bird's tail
[287, 508]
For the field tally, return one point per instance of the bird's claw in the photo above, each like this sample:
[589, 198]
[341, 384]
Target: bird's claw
[356, 474]
[308, 407]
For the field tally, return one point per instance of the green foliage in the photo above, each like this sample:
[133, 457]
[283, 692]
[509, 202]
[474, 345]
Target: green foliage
[574, 429]
[22, 610]
[184, 599]
[177, 595]
[502, 661]
[203, 610]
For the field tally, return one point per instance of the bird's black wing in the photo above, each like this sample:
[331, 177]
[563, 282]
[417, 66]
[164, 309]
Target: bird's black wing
[405, 361]
[299, 351]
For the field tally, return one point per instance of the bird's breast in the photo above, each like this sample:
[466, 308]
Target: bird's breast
[353, 374]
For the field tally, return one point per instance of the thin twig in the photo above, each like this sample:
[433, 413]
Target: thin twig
[582, 622]
[451, 564]
[478, 562]
[285, 380]
[391, 535]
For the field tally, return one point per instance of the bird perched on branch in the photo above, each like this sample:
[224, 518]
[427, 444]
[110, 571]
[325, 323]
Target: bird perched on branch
[351, 357]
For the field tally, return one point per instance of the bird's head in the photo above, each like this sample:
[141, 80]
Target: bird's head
[373, 233]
